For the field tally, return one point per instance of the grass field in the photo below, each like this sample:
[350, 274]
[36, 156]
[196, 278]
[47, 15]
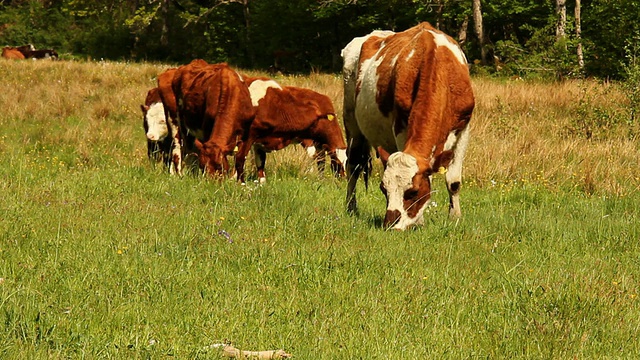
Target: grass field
[103, 255]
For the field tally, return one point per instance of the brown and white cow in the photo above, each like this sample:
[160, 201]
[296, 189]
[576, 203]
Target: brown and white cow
[155, 128]
[285, 115]
[279, 123]
[211, 103]
[408, 94]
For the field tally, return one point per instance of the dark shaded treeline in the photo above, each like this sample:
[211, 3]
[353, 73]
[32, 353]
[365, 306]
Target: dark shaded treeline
[304, 35]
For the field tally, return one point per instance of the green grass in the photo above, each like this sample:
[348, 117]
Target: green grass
[103, 255]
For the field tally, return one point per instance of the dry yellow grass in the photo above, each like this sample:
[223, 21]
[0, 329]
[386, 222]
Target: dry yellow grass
[521, 131]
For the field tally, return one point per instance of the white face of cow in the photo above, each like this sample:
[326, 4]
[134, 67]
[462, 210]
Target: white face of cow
[406, 190]
[155, 122]
[342, 156]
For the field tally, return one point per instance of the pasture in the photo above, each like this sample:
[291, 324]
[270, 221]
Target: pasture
[103, 255]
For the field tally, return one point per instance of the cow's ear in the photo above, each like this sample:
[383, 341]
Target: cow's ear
[384, 155]
[144, 108]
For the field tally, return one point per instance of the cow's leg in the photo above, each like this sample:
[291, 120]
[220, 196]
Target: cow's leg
[240, 159]
[173, 128]
[260, 157]
[453, 176]
[359, 160]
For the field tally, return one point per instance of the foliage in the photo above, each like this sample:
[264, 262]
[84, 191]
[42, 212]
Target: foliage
[309, 34]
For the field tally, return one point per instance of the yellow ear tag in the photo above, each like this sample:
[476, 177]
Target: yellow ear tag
[235, 149]
[442, 170]
[330, 117]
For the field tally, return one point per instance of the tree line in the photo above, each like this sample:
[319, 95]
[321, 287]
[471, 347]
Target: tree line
[543, 38]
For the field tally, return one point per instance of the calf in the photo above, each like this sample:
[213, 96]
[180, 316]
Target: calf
[408, 94]
[290, 114]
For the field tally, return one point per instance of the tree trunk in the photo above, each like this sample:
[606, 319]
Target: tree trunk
[462, 33]
[247, 36]
[477, 21]
[561, 11]
[579, 35]
[439, 15]
[164, 14]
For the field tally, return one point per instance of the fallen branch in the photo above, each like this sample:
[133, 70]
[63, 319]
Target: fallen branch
[232, 352]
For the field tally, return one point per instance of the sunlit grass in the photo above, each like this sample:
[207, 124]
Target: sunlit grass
[103, 255]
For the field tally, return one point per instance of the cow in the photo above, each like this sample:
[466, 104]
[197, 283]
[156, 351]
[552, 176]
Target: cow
[409, 95]
[41, 54]
[278, 123]
[285, 115]
[12, 53]
[210, 103]
[155, 127]
[16, 52]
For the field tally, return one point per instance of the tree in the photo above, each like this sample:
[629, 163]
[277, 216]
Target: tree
[561, 11]
[579, 35]
[477, 26]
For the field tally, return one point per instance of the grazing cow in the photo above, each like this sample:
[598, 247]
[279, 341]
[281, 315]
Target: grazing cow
[155, 127]
[211, 103]
[408, 94]
[274, 128]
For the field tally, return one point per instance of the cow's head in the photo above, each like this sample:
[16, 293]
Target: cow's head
[407, 189]
[51, 54]
[211, 158]
[154, 121]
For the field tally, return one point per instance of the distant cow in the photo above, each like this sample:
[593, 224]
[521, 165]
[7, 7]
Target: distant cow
[211, 103]
[408, 94]
[281, 133]
[16, 52]
[41, 54]
[12, 53]
[155, 128]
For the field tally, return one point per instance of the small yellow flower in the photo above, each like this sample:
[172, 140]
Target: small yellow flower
[242, 218]
[615, 283]
[221, 218]
[425, 278]
[119, 252]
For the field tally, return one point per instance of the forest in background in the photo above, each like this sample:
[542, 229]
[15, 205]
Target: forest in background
[541, 38]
